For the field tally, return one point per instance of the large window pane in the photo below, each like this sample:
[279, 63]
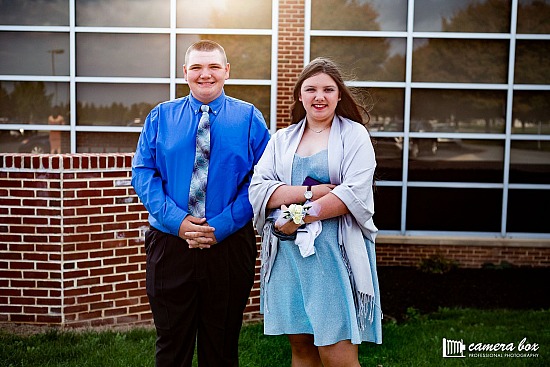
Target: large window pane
[123, 13]
[387, 208]
[456, 160]
[460, 61]
[117, 104]
[471, 111]
[528, 211]
[36, 142]
[530, 112]
[462, 16]
[530, 162]
[389, 158]
[368, 15]
[106, 142]
[249, 56]
[451, 209]
[387, 108]
[32, 12]
[380, 59]
[34, 53]
[533, 16]
[531, 65]
[224, 14]
[32, 102]
[123, 55]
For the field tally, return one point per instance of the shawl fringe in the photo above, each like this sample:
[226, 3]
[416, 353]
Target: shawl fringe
[267, 257]
[364, 303]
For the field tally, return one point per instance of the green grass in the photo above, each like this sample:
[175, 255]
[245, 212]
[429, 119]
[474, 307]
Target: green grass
[415, 342]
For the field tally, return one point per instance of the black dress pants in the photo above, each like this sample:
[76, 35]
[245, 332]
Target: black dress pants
[199, 295]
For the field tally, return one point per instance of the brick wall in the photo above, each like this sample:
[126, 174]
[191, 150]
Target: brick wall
[291, 55]
[71, 252]
[469, 252]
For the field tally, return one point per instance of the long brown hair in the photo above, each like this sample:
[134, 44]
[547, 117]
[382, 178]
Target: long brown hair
[347, 107]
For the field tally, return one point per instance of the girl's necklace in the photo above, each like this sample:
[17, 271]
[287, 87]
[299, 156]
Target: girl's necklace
[320, 131]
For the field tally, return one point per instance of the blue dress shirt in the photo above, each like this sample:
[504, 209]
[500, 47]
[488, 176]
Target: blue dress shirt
[165, 154]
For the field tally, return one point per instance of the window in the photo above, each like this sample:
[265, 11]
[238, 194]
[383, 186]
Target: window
[104, 73]
[459, 108]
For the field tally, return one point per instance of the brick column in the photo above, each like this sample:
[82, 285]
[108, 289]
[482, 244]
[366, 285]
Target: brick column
[71, 241]
[291, 55]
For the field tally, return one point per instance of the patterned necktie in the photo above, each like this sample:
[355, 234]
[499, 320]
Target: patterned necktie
[197, 190]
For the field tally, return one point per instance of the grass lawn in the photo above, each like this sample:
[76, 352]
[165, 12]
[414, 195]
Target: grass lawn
[415, 342]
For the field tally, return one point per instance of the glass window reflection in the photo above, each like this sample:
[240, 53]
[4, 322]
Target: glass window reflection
[387, 216]
[527, 211]
[531, 65]
[123, 55]
[123, 13]
[368, 15]
[100, 104]
[34, 53]
[35, 13]
[389, 158]
[456, 160]
[35, 142]
[460, 61]
[32, 102]
[530, 162]
[471, 111]
[243, 14]
[530, 112]
[375, 59]
[451, 209]
[533, 16]
[106, 142]
[387, 108]
[462, 16]
[249, 56]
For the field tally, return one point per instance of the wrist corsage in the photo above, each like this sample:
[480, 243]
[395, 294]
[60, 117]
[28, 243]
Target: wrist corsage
[296, 213]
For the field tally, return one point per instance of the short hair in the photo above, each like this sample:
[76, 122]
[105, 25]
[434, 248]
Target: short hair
[208, 46]
[347, 107]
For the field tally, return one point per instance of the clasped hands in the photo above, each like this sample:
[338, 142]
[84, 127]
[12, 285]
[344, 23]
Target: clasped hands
[197, 232]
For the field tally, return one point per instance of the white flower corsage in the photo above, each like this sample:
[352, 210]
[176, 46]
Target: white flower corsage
[296, 213]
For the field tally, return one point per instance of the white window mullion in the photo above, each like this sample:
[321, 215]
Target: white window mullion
[407, 115]
[509, 119]
[72, 73]
[173, 50]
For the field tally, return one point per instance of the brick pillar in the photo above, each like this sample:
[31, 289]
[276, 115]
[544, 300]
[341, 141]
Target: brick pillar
[71, 241]
[291, 55]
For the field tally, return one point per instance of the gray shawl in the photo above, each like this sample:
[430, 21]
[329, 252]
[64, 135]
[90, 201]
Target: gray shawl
[351, 163]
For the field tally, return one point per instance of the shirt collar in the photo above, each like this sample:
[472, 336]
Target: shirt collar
[215, 105]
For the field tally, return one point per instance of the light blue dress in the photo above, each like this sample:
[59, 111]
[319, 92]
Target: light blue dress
[313, 295]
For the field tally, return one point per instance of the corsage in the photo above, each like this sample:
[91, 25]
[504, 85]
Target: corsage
[296, 213]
